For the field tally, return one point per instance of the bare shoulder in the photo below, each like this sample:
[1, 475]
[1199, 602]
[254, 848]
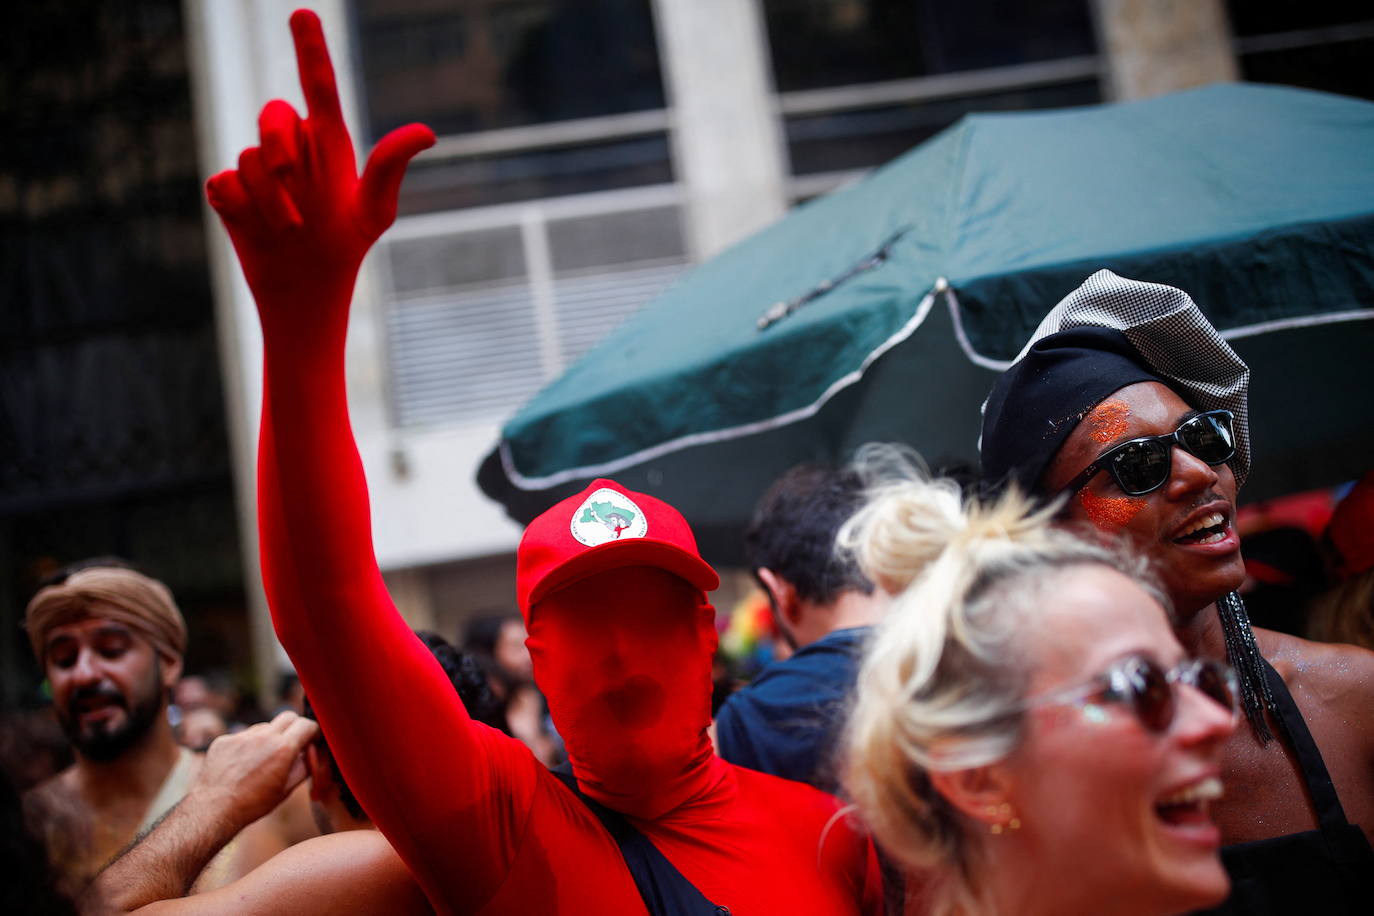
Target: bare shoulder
[1333, 684]
[55, 798]
[1331, 671]
[63, 783]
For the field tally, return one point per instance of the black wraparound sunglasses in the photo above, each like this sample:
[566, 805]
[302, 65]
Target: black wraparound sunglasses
[1142, 465]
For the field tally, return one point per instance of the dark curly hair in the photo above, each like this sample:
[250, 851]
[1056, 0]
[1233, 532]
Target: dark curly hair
[793, 532]
[467, 679]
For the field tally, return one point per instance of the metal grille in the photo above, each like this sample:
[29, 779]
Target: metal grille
[464, 347]
[590, 306]
[463, 356]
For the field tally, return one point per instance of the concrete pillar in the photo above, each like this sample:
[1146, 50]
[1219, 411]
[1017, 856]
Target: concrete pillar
[1153, 47]
[241, 55]
[727, 139]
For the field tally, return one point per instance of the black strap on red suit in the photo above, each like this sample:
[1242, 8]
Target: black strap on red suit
[666, 892]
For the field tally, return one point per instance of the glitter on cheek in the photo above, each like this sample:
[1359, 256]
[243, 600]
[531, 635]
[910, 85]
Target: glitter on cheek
[1107, 421]
[1109, 511]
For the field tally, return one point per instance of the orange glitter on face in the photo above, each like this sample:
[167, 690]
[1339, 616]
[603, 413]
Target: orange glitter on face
[1110, 511]
[1107, 421]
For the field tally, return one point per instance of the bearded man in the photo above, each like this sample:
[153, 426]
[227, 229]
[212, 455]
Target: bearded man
[111, 641]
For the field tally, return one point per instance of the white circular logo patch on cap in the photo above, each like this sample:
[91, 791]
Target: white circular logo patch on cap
[607, 516]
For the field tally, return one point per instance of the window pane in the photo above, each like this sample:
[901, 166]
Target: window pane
[1251, 18]
[487, 258]
[607, 267]
[480, 181]
[472, 65]
[819, 43]
[863, 139]
[611, 239]
[1341, 67]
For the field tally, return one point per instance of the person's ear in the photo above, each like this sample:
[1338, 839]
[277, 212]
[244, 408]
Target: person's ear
[171, 670]
[982, 794]
[321, 775]
[783, 596]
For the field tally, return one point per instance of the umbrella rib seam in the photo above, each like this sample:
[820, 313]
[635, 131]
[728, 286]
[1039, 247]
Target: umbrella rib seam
[978, 359]
[801, 413]
[1298, 321]
[602, 469]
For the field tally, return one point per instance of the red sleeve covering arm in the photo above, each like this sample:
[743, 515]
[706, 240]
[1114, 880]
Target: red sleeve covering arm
[447, 792]
[421, 768]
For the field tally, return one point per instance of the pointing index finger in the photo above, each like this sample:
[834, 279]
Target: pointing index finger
[316, 72]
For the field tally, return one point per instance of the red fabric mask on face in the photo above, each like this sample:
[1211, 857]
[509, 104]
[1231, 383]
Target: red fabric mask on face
[624, 659]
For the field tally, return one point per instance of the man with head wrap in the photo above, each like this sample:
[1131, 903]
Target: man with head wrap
[110, 641]
[349, 868]
[1127, 404]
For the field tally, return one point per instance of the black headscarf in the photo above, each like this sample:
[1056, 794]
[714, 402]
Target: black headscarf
[1040, 400]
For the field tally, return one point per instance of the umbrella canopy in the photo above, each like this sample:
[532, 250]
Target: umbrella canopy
[883, 311]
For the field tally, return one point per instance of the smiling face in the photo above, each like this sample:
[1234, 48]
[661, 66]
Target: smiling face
[624, 660]
[1100, 796]
[1185, 527]
[108, 684]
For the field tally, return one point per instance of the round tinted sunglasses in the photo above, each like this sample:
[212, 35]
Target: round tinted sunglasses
[1148, 690]
[1142, 465]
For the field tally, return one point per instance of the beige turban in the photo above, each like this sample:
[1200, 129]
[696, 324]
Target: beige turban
[122, 595]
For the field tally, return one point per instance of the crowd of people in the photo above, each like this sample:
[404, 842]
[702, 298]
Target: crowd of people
[1040, 695]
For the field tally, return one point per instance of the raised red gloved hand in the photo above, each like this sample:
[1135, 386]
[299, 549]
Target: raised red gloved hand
[300, 218]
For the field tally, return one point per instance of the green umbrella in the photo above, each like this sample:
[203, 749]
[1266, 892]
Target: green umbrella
[883, 311]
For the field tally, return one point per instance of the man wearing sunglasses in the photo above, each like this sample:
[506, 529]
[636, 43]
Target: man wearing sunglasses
[1129, 407]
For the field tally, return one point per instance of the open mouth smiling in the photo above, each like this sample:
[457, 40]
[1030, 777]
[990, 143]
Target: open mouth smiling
[1207, 529]
[1189, 804]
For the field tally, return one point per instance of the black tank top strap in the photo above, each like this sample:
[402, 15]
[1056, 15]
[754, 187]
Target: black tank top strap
[1329, 870]
[1325, 802]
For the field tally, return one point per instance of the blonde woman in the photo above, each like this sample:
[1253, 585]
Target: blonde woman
[1028, 737]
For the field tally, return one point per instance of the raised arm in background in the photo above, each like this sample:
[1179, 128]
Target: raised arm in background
[244, 776]
[353, 870]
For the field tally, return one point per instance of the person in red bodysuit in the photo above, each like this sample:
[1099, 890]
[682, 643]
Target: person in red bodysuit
[620, 631]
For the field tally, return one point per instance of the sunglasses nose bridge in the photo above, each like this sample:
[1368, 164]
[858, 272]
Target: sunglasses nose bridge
[1188, 472]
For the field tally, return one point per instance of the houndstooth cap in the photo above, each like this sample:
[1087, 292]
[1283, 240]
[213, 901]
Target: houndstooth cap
[1174, 340]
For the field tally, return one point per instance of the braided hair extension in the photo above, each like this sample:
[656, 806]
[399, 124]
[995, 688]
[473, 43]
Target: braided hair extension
[1243, 655]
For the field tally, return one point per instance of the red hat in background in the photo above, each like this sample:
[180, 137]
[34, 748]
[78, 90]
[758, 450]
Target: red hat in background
[1352, 528]
[605, 527]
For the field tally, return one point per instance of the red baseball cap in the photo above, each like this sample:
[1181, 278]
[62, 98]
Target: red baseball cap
[605, 527]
